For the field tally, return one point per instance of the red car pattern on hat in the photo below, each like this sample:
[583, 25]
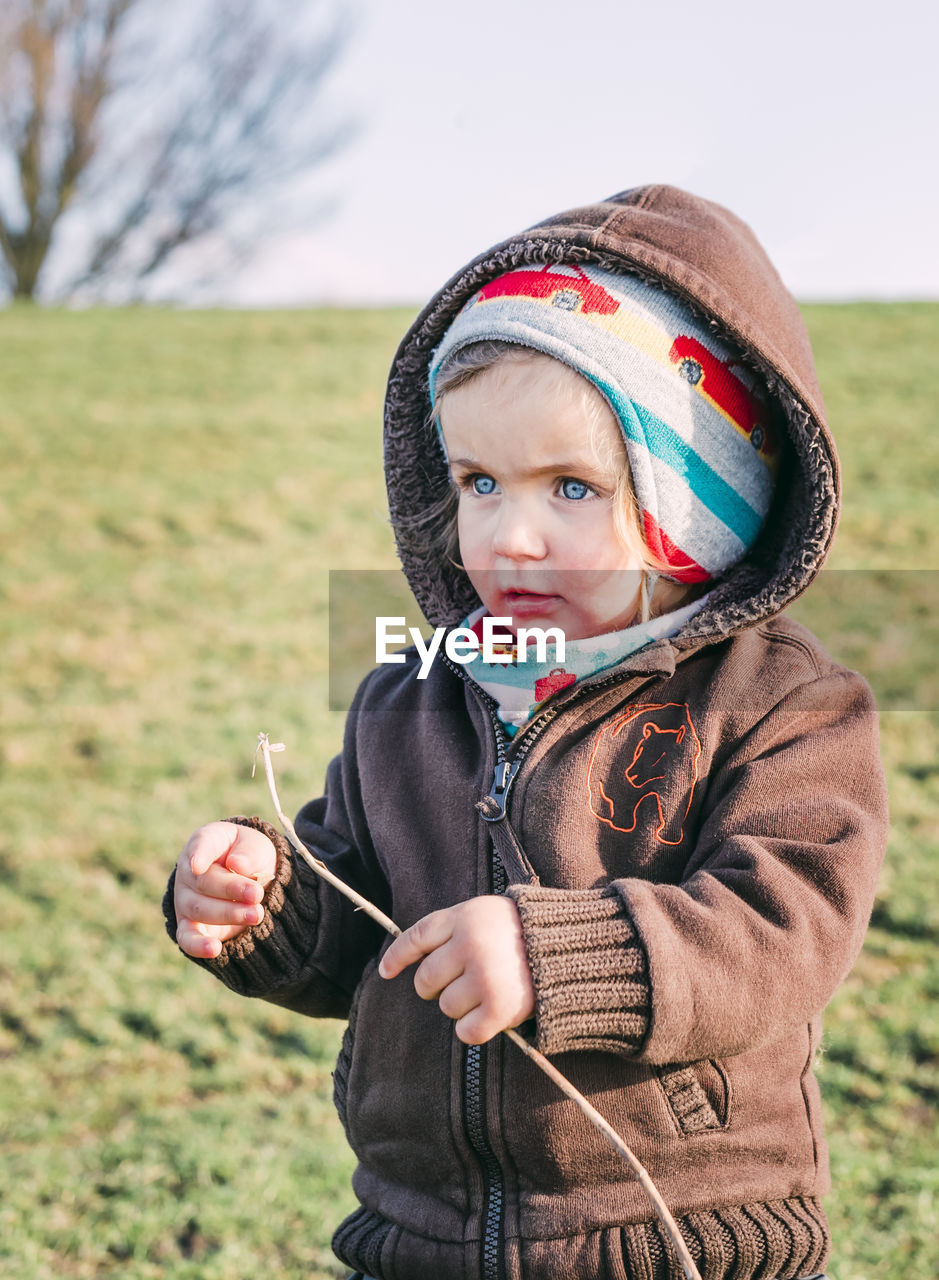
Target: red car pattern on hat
[713, 379]
[572, 293]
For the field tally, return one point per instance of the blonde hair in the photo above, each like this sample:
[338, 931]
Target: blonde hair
[656, 595]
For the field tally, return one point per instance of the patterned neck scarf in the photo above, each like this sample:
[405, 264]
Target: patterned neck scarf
[521, 688]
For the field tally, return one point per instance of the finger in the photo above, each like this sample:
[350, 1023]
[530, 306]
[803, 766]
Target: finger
[477, 1026]
[209, 844]
[459, 998]
[437, 971]
[429, 933]
[218, 882]
[211, 910]
[244, 864]
[198, 940]
[252, 855]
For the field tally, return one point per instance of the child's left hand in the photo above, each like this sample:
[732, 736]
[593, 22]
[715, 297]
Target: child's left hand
[475, 966]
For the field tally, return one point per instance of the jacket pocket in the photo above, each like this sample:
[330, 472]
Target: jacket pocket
[344, 1061]
[698, 1095]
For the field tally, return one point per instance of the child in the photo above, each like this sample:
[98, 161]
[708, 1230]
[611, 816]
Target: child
[658, 854]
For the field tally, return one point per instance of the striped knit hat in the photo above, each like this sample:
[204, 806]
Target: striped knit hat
[696, 420]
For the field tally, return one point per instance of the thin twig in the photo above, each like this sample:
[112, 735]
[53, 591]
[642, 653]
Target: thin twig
[265, 747]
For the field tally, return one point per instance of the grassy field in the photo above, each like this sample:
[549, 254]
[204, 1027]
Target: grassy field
[174, 488]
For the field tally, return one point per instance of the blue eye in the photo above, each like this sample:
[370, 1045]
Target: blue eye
[574, 489]
[484, 485]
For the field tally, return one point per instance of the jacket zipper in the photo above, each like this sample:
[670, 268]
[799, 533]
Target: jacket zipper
[493, 1241]
[474, 1076]
[493, 1182]
[476, 1056]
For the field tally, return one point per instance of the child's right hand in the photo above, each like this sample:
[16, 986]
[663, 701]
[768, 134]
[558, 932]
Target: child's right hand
[221, 876]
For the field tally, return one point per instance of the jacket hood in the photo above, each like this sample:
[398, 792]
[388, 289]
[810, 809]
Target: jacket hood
[711, 260]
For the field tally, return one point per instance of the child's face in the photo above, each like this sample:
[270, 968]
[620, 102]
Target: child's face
[536, 455]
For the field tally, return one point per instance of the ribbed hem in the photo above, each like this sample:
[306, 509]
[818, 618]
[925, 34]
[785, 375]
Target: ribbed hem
[244, 964]
[589, 969]
[359, 1240]
[782, 1239]
[772, 1240]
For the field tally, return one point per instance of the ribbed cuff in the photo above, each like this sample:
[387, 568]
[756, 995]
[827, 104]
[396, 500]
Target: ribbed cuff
[589, 969]
[259, 960]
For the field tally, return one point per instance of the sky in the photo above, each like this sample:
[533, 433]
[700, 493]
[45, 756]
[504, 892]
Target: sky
[815, 120]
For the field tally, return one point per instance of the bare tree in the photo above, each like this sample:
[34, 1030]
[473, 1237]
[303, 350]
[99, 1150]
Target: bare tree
[131, 129]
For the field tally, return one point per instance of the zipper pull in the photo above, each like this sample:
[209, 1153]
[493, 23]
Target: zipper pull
[492, 807]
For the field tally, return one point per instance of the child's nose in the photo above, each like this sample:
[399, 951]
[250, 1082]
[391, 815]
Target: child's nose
[517, 535]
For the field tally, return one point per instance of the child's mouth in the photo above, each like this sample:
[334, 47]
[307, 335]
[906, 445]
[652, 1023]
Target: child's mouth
[522, 602]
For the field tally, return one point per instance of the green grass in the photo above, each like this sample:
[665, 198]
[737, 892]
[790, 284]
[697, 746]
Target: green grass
[175, 487]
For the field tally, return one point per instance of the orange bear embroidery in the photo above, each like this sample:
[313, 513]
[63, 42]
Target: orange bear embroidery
[657, 741]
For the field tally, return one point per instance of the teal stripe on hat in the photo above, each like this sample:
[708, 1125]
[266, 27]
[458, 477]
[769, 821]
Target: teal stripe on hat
[644, 428]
